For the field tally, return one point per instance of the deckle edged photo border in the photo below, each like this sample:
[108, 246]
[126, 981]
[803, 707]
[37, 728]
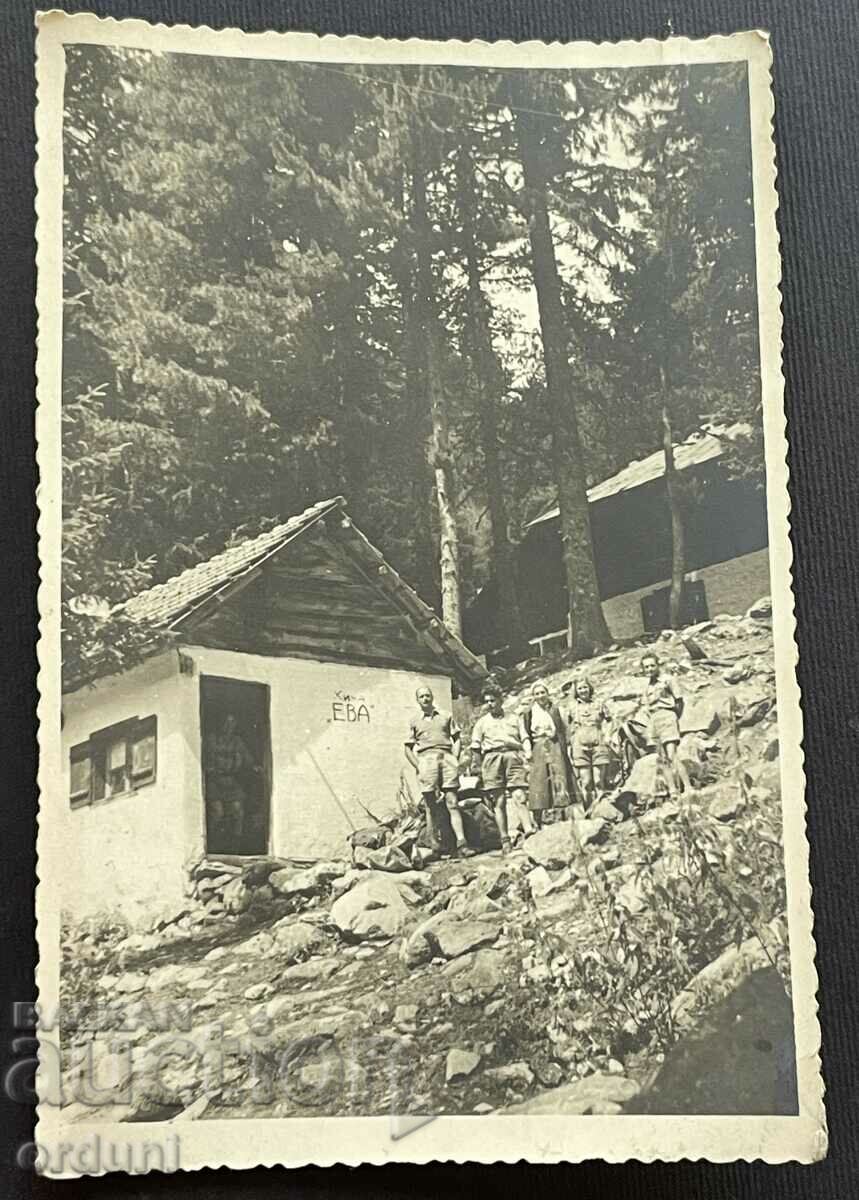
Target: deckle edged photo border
[326, 1140]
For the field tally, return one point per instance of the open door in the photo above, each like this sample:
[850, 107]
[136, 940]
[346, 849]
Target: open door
[236, 762]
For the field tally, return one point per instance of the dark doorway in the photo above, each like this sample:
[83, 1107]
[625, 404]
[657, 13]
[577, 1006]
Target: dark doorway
[236, 761]
[693, 607]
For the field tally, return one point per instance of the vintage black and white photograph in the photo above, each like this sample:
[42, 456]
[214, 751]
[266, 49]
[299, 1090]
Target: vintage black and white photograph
[420, 730]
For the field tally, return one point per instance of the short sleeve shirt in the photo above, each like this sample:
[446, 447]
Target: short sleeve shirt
[587, 714]
[434, 732]
[662, 693]
[496, 733]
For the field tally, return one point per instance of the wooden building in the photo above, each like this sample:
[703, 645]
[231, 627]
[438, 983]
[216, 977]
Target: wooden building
[727, 556]
[272, 723]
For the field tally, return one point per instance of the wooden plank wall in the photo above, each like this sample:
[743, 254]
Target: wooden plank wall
[314, 602]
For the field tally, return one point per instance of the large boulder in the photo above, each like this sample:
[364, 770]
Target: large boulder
[645, 778]
[579, 1097]
[706, 714]
[380, 907]
[447, 935]
[476, 977]
[551, 847]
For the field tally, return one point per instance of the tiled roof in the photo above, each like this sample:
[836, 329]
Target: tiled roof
[166, 602]
[699, 448]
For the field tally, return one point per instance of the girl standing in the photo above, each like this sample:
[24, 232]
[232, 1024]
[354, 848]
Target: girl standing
[589, 719]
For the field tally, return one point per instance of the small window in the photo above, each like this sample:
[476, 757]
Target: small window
[114, 762]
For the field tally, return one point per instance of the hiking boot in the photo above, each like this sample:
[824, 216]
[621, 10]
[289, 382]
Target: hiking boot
[465, 851]
[505, 846]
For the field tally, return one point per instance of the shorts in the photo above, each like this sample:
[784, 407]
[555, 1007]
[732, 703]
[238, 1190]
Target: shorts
[664, 727]
[438, 769]
[589, 753]
[502, 769]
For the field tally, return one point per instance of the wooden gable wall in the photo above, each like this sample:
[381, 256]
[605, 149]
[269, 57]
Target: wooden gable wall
[313, 601]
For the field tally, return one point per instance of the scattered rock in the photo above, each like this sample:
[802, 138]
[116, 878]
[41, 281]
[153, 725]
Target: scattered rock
[771, 749]
[705, 714]
[460, 1064]
[482, 1108]
[548, 1073]
[605, 1108]
[755, 711]
[256, 991]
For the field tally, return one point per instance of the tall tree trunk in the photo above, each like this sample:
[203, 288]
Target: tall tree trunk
[678, 529]
[487, 379]
[588, 629]
[440, 458]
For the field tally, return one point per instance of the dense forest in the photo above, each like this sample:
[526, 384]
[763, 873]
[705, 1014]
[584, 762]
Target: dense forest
[452, 295]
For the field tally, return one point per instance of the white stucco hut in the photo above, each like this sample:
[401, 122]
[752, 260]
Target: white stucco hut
[290, 672]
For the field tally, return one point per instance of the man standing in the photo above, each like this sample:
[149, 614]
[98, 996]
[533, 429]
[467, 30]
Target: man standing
[497, 756]
[432, 748]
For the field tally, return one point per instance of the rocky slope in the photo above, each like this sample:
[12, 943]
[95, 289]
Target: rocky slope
[582, 973]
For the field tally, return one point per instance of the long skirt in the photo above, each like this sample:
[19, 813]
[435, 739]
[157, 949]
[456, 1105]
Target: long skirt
[547, 781]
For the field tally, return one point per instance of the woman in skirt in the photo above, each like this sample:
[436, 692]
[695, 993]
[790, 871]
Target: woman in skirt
[544, 744]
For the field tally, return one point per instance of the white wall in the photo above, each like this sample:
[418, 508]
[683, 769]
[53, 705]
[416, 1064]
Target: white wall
[361, 760]
[126, 853]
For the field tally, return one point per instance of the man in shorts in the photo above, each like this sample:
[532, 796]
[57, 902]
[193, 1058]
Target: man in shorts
[663, 703]
[497, 756]
[432, 748]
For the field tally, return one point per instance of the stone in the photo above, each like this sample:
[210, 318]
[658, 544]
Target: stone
[458, 937]
[693, 649]
[459, 1064]
[727, 805]
[471, 903]
[548, 1073]
[260, 945]
[474, 978]
[605, 810]
[130, 983]
[704, 714]
[631, 896]
[761, 610]
[309, 882]
[615, 1067]
[737, 672]
[755, 711]
[605, 1108]
[626, 687]
[518, 1074]
[406, 1014]
[771, 749]
[765, 775]
[295, 940]
[728, 970]
[588, 831]
[312, 971]
[256, 991]
[542, 883]
[482, 1108]
[381, 907]
[389, 858]
[552, 846]
[645, 778]
[580, 1096]
[690, 751]
[236, 896]
[738, 1059]
[370, 838]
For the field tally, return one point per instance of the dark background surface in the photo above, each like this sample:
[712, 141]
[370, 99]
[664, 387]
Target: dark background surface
[816, 46]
